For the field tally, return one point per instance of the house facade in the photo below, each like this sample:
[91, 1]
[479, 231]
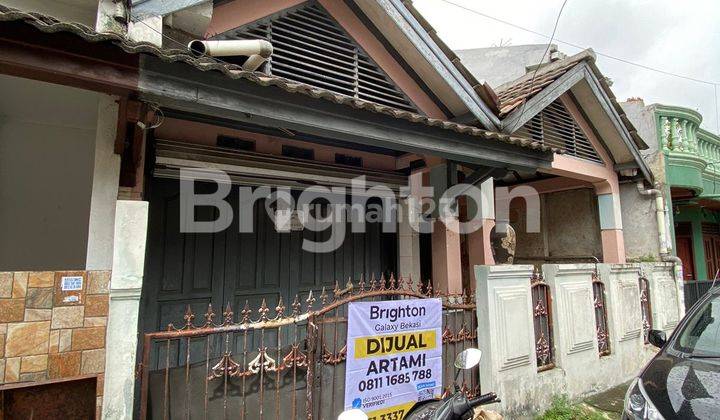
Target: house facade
[683, 154]
[109, 294]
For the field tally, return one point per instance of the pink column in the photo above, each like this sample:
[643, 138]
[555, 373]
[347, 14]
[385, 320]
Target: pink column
[446, 263]
[479, 246]
[613, 243]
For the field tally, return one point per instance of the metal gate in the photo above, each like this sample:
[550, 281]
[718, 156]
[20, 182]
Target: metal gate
[285, 362]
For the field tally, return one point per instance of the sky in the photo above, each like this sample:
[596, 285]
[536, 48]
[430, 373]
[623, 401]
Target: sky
[681, 37]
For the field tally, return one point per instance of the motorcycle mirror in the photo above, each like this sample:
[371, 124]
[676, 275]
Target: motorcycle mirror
[353, 414]
[468, 358]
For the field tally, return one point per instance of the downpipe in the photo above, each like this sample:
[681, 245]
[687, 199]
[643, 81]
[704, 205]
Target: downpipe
[664, 238]
[257, 50]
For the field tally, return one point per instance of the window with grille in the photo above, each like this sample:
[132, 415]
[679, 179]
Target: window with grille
[554, 126]
[309, 46]
[601, 320]
[542, 316]
[645, 307]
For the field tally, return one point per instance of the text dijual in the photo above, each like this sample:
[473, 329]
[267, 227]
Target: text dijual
[393, 314]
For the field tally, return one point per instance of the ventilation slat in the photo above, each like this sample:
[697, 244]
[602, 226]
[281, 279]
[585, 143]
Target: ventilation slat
[296, 28]
[309, 73]
[289, 54]
[312, 40]
[379, 89]
[315, 25]
[311, 47]
[556, 127]
[323, 72]
[281, 43]
[380, 100]
[313, 81]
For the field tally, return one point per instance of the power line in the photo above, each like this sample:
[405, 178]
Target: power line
[532, 80]
[602, 54]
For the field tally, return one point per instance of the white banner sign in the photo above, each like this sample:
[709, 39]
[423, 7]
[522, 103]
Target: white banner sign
[394, 356]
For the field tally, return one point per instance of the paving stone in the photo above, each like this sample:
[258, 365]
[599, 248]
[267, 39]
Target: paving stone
[12, 369]
[34, 363]
[27, 338]
[64, 365]
[41, 279]
[67, 317]
[2, 370]
[20, 280]
[3, 328]
[38, 314]
[95, 321]
[98, 282]
[39, 298]
[2, 345]
[12, 310]
[96, 305]
[93, 361]
[6, 282]
[54, 341]
[65, 340]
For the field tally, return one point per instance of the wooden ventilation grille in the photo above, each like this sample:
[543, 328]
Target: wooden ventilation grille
[555, 127]
[309, 46]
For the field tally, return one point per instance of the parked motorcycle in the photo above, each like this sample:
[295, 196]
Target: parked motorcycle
[453, 407]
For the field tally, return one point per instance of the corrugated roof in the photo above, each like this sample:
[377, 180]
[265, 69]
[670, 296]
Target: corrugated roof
[49, 24]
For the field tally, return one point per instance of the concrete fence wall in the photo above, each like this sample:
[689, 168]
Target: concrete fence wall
[507, 337]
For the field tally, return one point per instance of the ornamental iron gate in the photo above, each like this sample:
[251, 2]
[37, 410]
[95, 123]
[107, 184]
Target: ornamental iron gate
[280, 363]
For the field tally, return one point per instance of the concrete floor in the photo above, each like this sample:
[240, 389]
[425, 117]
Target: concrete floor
[610, 401]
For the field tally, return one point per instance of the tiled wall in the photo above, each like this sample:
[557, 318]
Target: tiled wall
[47, 333]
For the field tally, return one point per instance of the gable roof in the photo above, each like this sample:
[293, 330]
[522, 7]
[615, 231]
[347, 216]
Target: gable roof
[513, 94]
[311, 46]
[521, 99]
[48, 24]
[481, 89]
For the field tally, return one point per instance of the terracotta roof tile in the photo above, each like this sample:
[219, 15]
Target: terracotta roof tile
[513, 94]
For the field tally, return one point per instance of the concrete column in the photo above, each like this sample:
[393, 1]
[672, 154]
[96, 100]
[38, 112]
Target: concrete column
[408, 246]
[105, 180]
[131, 220]
[506, 337]
[110, 17]
[613, 243]
[446, 264]
[478, 242]
[148, 30]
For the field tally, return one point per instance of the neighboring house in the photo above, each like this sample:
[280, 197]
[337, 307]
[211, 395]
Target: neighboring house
[684, 156]
[594, 199]
[100, 120]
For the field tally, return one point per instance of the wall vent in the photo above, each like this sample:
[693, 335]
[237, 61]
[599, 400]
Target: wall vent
[298, 152]
[309, 46]
[235, 143]
[348, 160]
[554, 126]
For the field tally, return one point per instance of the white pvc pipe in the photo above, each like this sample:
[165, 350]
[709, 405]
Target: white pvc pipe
[257, 50]
[659, 215]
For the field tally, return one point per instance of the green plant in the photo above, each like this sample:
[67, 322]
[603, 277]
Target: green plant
[563, 409]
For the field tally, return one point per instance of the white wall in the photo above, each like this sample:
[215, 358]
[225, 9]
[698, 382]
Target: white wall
[506, 333]
[47, 153]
